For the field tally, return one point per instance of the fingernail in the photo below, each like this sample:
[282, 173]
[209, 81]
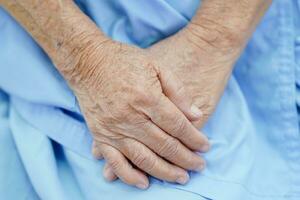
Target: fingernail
[205, 147]
[201, 167]
[196, 111]
[142, 186]
[183, 179]
[108, 175]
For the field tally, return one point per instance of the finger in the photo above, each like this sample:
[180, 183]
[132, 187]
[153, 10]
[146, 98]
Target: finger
[123, 169]
[149, 162]
[111, 175]
[166, 116]
[198, 124]
[168, 147]
[174, 89]
[108, 173]
[96, 151]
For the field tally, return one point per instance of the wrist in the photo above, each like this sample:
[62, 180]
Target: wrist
[217, 40]
[73, 40]
[75, 35]
[229, 22]
[83, 55]
[60, 28]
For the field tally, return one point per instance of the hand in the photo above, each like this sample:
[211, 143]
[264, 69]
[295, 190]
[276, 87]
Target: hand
[122, 95]
[203, 61]
[203, 54]
[127, 99]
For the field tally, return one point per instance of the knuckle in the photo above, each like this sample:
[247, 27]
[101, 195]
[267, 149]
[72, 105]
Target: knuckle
[169, 149]
[121, 113]
[139, 159]
[140, 95]
[144, 96]
[145, 99]
[114, 164]
[119, 116]
[179, 127]
[143, 161]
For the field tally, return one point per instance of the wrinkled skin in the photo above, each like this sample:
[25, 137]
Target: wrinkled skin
[133, 102]
[131, 116]
[202, 61]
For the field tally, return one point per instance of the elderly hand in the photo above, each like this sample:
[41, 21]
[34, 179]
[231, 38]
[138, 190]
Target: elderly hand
[132, 102]
[202, 60]
[125, 99]
[130, 105]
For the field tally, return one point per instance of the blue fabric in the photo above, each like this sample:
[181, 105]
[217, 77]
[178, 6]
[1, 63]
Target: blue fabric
[45, 144]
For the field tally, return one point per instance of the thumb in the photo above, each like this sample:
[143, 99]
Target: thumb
[174, 89]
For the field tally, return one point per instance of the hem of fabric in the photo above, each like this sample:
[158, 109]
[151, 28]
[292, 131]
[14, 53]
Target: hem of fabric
[222, 189]
[227, 190]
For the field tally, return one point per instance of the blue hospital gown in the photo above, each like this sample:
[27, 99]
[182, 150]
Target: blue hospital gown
[45, 144]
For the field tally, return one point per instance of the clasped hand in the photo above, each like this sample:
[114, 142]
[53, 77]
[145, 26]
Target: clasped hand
[143, 106]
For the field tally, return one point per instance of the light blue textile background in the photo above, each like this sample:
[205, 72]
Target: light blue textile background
[45, 144]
